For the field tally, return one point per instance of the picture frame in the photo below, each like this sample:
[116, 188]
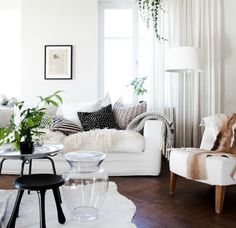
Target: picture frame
[58, 62]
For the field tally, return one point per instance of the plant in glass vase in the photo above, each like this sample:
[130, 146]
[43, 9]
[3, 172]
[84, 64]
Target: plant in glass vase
[29, 126]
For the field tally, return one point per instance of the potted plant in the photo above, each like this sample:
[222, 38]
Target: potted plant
[138, 85]
[29, 127]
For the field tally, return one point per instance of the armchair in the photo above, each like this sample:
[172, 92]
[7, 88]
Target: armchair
[219, 169]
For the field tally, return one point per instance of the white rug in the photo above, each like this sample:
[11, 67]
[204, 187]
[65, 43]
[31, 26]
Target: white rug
[117, 211]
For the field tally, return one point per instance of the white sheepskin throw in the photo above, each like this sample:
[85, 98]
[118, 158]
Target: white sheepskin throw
[53, 136]
[106, 140]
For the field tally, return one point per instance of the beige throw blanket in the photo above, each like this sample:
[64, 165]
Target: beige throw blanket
[224, 145]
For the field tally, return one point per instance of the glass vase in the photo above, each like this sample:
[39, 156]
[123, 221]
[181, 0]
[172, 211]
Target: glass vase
[86, 185]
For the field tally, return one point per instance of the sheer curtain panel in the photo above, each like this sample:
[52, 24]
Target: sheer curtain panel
[196, 23]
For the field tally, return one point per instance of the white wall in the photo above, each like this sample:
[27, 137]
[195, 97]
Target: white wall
[10, 47]
[59, 22]
[229, 55]
[75, 22]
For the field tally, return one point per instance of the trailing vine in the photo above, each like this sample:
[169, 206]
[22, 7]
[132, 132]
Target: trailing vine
[149, 12]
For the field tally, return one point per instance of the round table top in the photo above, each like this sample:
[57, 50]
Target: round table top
[46, 149]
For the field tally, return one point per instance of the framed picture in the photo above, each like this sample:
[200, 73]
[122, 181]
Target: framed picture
[58, 62]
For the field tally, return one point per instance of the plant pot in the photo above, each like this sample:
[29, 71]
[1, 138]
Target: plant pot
[26, 147]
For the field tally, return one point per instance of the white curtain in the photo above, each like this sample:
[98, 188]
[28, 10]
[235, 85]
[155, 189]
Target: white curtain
[193, 96]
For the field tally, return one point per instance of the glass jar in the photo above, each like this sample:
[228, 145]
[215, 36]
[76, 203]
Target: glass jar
[86, 184]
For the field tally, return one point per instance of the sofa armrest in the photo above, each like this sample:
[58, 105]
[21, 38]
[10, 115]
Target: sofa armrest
[153, 142]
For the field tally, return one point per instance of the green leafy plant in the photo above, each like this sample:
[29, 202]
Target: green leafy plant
[149, 12]
[30, 124]
[138, 85]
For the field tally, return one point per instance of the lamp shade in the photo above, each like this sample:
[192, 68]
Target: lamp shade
[183, 59]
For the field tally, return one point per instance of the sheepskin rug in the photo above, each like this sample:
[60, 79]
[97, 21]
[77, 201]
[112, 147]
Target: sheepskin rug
[106, 140]
[116, 212]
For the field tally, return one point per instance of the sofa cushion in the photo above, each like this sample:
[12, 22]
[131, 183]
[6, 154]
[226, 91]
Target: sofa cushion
[103, 118]
[125, 113]
[5, 115]
[69, 110]
[50, 110]
[57, 123]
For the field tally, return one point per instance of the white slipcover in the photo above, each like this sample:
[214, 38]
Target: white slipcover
[147, 162]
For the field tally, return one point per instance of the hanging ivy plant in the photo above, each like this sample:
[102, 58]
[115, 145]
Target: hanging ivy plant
[149, 12]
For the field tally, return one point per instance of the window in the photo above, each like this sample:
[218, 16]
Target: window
[10, 48]
[125, 47]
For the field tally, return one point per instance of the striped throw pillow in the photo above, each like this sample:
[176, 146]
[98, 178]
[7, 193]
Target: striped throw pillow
[124, 113]
[56, 123]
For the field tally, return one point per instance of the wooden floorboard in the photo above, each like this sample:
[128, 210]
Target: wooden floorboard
[191, 206]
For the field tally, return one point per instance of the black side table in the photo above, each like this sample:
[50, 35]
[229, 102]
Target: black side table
[40, 183]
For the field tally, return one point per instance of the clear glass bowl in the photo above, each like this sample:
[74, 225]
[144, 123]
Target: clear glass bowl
[86, 185]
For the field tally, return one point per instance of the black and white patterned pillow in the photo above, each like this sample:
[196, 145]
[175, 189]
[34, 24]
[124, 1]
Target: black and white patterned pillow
[125, 113]
[57, 123]
[103, 118]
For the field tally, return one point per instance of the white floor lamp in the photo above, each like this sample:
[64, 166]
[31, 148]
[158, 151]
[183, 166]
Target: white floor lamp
[183, 60]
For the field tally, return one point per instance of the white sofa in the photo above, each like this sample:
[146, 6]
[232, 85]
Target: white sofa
[147, 162]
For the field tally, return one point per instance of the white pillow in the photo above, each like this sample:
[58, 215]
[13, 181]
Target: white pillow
[69, 111]
[50, 110]
[5, 115]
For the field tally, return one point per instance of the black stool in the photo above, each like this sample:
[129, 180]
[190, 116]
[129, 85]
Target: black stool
[40, 183]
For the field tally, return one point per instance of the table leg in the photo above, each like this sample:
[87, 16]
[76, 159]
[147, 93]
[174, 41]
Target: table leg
[22, 166]
[30, 166]
[1, 163]
[30, 170]
[53, 164]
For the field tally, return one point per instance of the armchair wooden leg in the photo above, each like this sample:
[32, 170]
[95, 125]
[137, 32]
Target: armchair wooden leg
[219, 198]
[173, 177]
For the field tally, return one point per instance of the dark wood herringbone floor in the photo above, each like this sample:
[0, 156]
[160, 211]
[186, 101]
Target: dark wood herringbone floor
[192, 205]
